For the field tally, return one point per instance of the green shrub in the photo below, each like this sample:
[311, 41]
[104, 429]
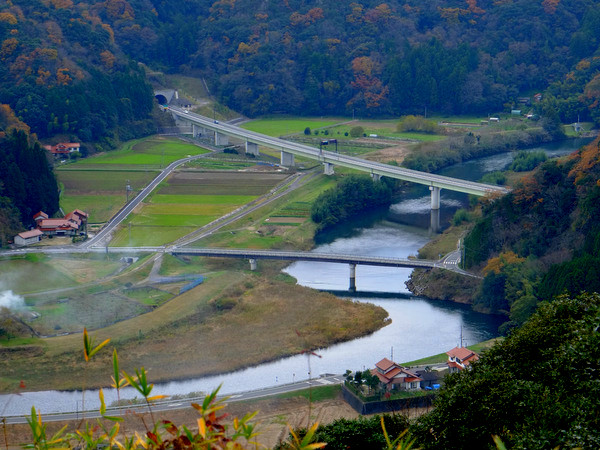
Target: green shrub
[357, 132]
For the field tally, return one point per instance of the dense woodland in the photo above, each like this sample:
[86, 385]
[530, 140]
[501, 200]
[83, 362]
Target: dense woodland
[542, 239]
[536, 389]
[71, 66]
[353, 195]
[27, 184]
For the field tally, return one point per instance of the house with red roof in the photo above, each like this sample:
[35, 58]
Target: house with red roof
[40, 216]
[63, 149]
[72, 224]
[28, 237]
[460, 358]
[395, 377]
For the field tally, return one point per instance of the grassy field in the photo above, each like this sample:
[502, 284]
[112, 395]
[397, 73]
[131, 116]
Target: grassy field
[195, 334]
[189, 86]
[70, 292]
[15, 275]
[336, 128]
[292, 125]
[380, 128]
[52, 272]
[157, 151]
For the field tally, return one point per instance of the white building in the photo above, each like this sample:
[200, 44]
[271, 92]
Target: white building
[28, 237]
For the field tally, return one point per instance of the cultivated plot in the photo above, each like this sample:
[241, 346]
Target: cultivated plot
[155, 152]
[189, 200]
[100, 193]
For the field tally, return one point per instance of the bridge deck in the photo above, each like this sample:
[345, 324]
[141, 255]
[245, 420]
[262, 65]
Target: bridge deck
[372, 167]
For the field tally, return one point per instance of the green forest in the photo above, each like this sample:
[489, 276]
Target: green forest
[78, 67]
[27, 184]
[353, 195]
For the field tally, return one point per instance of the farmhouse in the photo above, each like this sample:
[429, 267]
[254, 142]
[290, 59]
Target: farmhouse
[72, 224]
[63, 148]
[393, 376]
[460, 358]
[28, 237]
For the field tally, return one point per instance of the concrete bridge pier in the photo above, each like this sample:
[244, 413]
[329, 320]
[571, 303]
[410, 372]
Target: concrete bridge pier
[251, 148]
[434, 224]
[352, 287]
[197, 130]
[252, 264]
[435, 197]
[221, 139]
[287, 159]
[328, 168]
[375, 176]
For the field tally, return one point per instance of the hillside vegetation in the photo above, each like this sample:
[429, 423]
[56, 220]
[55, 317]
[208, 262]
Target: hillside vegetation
[538, 388]
[542, 239]
[27, 184]
[70, 66]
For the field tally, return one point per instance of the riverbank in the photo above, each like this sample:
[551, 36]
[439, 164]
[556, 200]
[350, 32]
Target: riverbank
[235, 319]
[489, 140]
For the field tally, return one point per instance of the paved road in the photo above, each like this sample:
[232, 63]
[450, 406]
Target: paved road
[338, 159]
[99, 238]
[167, 405]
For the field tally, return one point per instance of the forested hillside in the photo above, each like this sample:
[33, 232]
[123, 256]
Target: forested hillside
[542, 239]
[61, 72]
[69, 66]
[27, 184]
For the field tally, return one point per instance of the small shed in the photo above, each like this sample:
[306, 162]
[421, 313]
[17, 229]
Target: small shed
[28, 237]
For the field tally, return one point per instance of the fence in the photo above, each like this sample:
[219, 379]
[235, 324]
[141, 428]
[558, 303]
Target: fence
[386, 406]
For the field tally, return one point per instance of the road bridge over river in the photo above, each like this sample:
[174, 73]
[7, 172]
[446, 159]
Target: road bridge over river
[449, 262]
[222, 132]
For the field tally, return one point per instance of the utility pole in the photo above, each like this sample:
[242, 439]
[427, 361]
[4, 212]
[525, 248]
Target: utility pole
[127, 191]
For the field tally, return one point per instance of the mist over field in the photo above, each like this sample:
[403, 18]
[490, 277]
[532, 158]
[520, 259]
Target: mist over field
[10, 300]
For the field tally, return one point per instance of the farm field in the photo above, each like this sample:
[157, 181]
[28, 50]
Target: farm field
[337, 128]
[97, 184]
[197, 333]
[189, 200]
[56, 272]
[140, 314]
[282, 224]
[99, 193]
[154, 152]
[70, 292]
[279, 127]
[383, 129]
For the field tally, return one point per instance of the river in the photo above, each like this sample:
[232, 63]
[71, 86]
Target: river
[419, 327]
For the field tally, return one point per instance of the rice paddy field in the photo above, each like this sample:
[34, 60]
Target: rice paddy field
[282, 224]
[97, 185]
[189, 200]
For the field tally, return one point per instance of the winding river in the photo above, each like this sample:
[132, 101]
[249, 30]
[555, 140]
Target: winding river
[419, 327]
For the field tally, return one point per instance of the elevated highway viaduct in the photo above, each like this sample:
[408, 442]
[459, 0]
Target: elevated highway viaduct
[222, 132]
